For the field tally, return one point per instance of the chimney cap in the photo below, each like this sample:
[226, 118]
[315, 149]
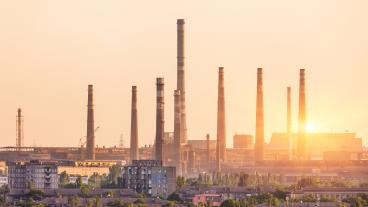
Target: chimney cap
[160, 80]
[180, 21]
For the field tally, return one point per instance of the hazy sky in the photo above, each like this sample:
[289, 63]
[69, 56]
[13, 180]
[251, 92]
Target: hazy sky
[51, 50]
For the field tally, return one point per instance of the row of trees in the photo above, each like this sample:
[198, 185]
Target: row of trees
[315, 182]
[275, 200]
[235, 179]
[358, 200]
[254, 200]
[256, 179]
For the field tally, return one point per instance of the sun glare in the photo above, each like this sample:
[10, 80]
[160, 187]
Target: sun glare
[310, 127]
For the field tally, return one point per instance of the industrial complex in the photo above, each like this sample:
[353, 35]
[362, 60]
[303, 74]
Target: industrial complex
[152, 169]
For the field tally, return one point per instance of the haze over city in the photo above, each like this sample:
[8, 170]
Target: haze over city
[50, 51]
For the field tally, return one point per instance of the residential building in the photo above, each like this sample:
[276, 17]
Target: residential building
[39, 174]
[149, 177]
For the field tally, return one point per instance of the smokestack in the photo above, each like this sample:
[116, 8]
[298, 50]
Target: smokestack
[181, 77]
[259, 118]
[208, 152]
[302, 117]
[288, 123]
[90, 125]
[159, 119]
[177, 132]
[134, 153]
[19, 128]
[221, 128]
[218, 162]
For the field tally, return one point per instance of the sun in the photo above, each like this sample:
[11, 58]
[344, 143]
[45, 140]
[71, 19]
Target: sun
[310, 127]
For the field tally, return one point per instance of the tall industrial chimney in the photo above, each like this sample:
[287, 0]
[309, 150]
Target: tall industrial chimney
[134, 152]
[19, 128]
[181, 77]
[159, 119]
[90, 125]
[218, 162]
[221, 128]
[177, 132]
[259, 118]
[288, 124]
[302, 117]
[208, 155]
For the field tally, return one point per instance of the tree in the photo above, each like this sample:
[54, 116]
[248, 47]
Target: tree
[73, 201]
[307, 182]
[180, 182]
[357, 201]
[280, 194]
[36, 194]
[273, 201]
[230, 203]
[114, 174]
[174, 197]
[63, 178]
[30, 185]
[85, 190]
[78, 182]
[98, 202]
[141, 195]
[117, 203]
[4, 190]
[109, 194]
[169, 204]
[309, 198]
[243, 179]
[140, 201]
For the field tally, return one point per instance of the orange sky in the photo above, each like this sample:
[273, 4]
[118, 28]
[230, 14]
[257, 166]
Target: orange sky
[51, 50]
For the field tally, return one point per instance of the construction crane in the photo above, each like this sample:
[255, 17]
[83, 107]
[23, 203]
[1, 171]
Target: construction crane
[81, 143]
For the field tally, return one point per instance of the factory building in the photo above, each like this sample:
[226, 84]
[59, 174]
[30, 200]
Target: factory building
[149, 177]
[243, 141]
[342, 145]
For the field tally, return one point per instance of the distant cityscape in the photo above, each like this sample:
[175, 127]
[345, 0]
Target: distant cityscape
[294, 169]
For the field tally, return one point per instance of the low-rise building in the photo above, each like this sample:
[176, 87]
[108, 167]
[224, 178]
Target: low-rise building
[3, 180]
[73, 179]
[83, 170]
[149, 177]
[87, 168]
[207, 199]
[39, 174]
[338, 193]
